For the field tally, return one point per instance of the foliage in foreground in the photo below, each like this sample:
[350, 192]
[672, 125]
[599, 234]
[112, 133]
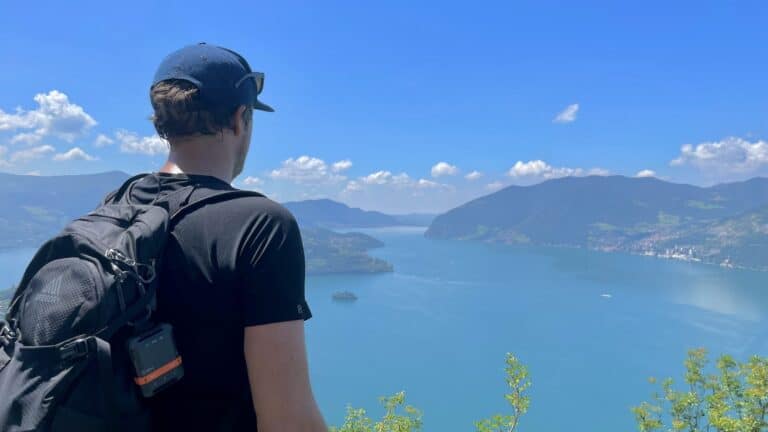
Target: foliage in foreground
[393, 420]
[734, 399]
[410, 421]
[518, 382]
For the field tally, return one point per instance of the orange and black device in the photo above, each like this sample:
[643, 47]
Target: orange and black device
[156, 360]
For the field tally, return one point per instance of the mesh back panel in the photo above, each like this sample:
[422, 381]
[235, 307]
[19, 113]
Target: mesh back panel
[59, 303]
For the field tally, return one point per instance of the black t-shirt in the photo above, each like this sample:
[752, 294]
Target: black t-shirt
[227, 265]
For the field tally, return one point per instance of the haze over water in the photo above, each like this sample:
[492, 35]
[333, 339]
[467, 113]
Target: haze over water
[592, 327]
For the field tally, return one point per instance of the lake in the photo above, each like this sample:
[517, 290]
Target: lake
[591, 327]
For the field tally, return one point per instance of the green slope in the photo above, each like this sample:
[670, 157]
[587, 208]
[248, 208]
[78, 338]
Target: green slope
[617, 214]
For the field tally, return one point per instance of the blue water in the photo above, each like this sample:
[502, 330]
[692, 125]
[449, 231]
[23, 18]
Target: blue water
[591, 327]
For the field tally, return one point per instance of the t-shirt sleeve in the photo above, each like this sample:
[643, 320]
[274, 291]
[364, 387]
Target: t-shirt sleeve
[271, 269]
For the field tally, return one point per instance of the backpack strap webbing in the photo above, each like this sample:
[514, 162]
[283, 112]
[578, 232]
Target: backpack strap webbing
[108, 388]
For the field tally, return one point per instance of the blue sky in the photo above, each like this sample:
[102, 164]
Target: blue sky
[397, 87]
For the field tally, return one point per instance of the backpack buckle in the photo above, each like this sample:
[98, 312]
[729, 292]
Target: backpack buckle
[7, 334]
[75, 349]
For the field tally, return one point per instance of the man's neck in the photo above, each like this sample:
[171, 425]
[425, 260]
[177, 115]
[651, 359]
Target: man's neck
[197, 156]
[172, 166]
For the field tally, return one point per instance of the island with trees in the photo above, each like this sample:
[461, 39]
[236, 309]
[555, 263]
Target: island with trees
[328, 252]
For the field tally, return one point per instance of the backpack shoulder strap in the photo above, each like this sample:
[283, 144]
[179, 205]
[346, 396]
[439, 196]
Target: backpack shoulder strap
[120, 192]
[211, 199]
[221, 196]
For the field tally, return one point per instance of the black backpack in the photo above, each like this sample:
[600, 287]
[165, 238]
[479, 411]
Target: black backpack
[64, 364]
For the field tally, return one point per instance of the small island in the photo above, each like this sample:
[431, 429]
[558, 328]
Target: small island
[345, 296]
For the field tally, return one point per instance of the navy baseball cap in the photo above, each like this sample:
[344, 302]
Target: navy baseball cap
[222, 76]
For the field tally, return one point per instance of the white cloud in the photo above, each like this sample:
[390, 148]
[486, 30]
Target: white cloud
[306, 169]
[531, 168]
[33, 173]
[75, 153]
[599, 172]
[494, 186]
[103, 141]
[427, 184]
[401, 179]
[32, 153]
[474, 175]
[379, 177]
[385, 179]
[130, 142]
[444, 169]
[19, 120]
[385, 191]
[646, 173]
[55, 116]
[341, 165]
[353, 186]
[567, 115]
[26, 138]
[252, 181]
[731, 155]
[538, 169]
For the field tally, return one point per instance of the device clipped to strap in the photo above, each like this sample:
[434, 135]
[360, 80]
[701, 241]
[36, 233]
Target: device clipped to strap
[155, 359]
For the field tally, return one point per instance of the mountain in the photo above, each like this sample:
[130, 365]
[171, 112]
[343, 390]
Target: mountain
[34, 208]
[332, 214]
[740, 241]
[641, 215]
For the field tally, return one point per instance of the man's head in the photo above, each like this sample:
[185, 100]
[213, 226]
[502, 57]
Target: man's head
[204, 95]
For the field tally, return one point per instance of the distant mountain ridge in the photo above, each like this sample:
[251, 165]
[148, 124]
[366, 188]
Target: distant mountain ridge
[333, 214]
[614, 213]
[35, 208]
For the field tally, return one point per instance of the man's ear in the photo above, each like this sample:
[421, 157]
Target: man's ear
[238, 121]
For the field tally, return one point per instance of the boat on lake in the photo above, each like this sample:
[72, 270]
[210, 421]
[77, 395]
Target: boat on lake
[344, 296]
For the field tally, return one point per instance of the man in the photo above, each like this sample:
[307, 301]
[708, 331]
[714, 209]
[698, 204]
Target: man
[232, 281]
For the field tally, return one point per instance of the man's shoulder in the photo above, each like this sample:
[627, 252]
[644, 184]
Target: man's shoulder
[251, 207]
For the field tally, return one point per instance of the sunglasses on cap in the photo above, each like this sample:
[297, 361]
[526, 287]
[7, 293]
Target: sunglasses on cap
[258, 79]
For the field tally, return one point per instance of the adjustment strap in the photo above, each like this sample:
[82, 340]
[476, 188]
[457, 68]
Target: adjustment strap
[107, 378]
